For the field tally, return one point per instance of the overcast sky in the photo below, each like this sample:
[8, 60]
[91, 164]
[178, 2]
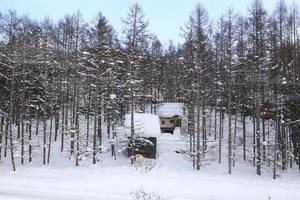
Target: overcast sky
[165, 16]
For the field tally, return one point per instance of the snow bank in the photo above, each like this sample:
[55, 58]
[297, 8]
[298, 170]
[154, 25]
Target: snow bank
[177, 131]
[170, 110]
[144, 124]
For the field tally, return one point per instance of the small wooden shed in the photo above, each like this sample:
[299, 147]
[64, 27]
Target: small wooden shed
[146, 131]
[170, 116]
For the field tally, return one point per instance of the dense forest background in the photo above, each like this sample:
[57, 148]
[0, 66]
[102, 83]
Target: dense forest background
[239, 67]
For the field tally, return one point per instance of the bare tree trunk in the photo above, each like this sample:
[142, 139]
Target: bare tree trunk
[277, 126]
[131, 123]
[190, 130]
[258, 154]
[67, 107]
[10, 117]
[99, 135]
[268, 147]
[215, 127]
[204, 136]
[194, 136]
[244, 136]
[50, 137]
[210, 122]
[6, 135]
[108, 121]
[62, 127]
[254, 138]
[18, 125]
[37, 122]
[264, 138]
[95, 127]
[77, 124]
[290, 146]
[234, 139]
[56, 125]
[22, 139]
[220, 136]
[29, 138]
[283, 147]
[275, 145]
[1, 134]
[229, 135]
[73, 119]
[44, 138]
[113, 149]
[198, 133]
[298, 154]
[88, 119]
[222, 123]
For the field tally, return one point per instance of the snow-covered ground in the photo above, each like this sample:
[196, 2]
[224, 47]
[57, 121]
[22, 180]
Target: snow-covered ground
[171, 177]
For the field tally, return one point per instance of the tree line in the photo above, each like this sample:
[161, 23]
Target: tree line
[54, 75]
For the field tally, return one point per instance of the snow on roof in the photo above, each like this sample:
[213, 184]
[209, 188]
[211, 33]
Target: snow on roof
[170, 110]
[144, 124]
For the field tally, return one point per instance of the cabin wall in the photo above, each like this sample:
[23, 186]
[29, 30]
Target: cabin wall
[167, 122]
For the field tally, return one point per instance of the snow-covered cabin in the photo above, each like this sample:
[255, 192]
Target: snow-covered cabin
[170, 116]
[146, 126]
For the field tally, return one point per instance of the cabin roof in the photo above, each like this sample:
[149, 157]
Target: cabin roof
[144, 124]
[170, 110]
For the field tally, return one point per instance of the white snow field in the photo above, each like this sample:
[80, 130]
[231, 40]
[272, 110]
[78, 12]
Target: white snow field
[172, 177]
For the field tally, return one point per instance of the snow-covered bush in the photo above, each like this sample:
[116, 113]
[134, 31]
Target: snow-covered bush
[144, 165]
[141, 194]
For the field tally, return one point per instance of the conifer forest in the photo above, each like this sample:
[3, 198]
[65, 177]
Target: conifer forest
[66, 86]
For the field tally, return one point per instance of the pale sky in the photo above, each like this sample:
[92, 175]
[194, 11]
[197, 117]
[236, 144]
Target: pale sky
[165, 16]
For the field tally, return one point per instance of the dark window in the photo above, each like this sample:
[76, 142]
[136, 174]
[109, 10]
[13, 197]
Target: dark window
[172, 121]
[162, 121]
